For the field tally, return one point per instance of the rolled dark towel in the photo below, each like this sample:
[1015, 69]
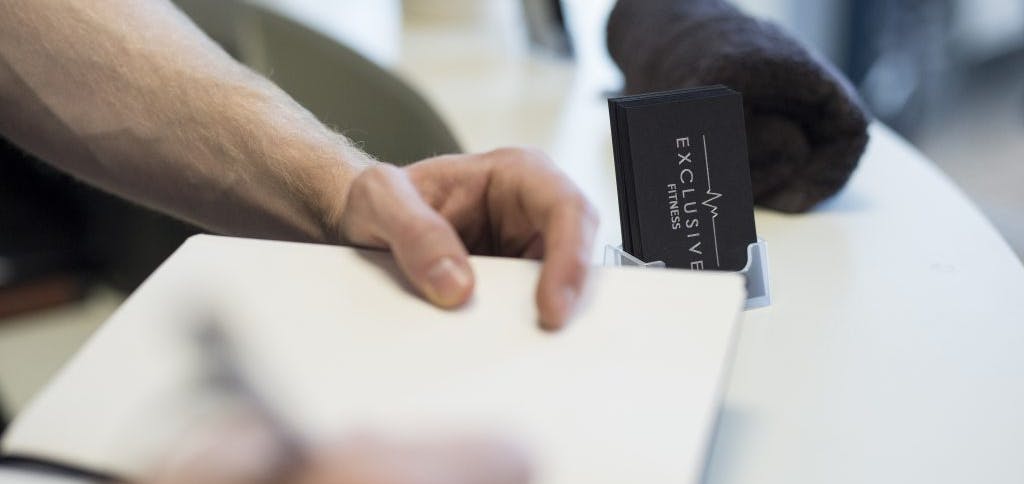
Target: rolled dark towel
[806, 127]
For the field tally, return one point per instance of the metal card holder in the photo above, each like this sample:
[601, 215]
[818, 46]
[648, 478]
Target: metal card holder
[759, 290]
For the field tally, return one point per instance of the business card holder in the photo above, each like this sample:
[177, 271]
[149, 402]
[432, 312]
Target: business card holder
[759, 291]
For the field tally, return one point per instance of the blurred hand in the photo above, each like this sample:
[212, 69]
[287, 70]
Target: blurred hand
[248, 455]
[455, 461]
[510, 202]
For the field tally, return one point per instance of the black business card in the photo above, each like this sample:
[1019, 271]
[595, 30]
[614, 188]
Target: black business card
[683, 178]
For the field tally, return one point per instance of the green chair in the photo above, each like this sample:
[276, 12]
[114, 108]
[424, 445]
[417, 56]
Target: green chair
[346, 91]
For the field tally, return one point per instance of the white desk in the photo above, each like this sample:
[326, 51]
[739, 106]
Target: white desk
[893, 352]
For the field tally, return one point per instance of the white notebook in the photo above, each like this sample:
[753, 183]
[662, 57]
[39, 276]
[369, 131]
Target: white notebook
[628, 393]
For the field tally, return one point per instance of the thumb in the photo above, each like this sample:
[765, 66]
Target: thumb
[432, 256]
[385, 208]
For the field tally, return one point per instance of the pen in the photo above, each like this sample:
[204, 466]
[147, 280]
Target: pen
[224, 373]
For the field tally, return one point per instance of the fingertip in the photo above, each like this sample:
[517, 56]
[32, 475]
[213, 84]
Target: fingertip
[557, 307]
[562, 283]
[449, 282]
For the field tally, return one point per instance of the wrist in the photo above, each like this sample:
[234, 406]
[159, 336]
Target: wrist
[305, 168]
[301, 171]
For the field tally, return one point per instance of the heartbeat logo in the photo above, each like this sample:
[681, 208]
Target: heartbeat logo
[707, 203]
[713, 196]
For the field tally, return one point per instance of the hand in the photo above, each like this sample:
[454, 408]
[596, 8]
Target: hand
[249, 455]
[452, 461]
[510, 202]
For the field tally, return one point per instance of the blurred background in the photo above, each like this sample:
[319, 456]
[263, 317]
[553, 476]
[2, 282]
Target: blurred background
[472, 75]
[948, 75]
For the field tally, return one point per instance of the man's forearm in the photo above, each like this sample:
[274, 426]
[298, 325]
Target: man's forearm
[130, 96]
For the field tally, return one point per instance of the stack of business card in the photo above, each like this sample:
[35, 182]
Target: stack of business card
[683, 176]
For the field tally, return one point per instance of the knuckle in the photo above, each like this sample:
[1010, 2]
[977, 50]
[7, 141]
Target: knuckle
[579, 206]
[589, 212]
[382, 175]
[383, 185]
[377, 197]
[578, 264]
[378, 181]
[534, 153]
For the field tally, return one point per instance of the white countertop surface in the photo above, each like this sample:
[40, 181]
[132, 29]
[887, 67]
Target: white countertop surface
[893, 351]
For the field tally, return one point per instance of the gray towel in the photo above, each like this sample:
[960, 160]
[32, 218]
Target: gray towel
[806, 127]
